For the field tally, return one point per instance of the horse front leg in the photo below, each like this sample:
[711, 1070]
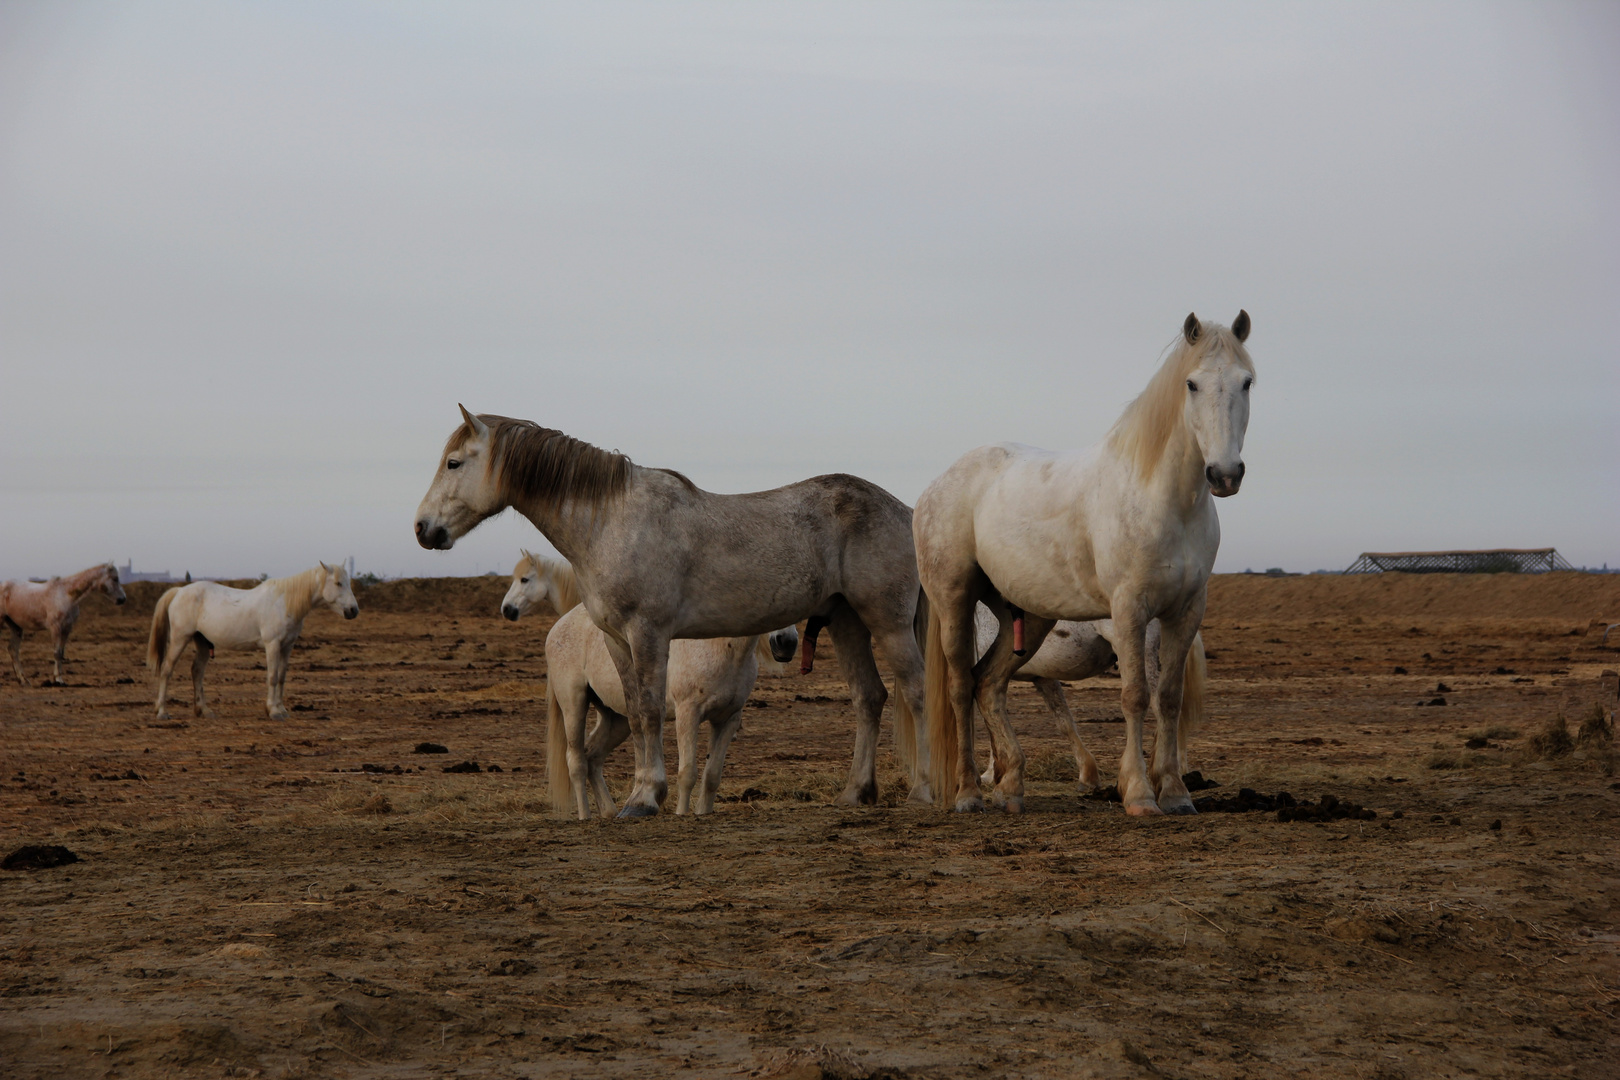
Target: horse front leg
[1175, 640]
[643, 663]
[275, 677]
[1051, 692]
[853, 643]
[199, 664]
[1135, 790]
[14, 642]
[686, 725]
[59, 654]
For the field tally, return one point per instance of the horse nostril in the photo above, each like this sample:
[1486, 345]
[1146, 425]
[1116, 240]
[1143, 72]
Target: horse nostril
[1242, 468]
[1209, 474]
[510, 612]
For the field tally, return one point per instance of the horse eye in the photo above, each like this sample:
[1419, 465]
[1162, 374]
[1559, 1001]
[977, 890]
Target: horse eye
[452, 464]
[1247, 383]
[1192, 386]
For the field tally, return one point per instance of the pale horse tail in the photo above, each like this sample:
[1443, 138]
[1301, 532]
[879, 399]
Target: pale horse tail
[157, 644]
[943, 743]
[559, 785]
[905, 724]
[1194, 677]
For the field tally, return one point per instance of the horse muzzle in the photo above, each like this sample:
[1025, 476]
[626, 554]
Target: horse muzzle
[433, 537]
[351, 612]
[1224, 483]
[511, 612]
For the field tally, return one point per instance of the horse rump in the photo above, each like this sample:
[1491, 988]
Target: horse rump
[157, 643]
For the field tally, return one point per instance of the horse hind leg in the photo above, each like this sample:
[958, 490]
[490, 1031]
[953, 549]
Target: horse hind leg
[991, 675]
[853, 642]
[721, 732]
[1051, 692]
[171, 656]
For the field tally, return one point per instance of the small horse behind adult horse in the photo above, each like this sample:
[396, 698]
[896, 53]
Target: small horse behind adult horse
[52, 605]
[1125, 530]
[213, 616]
[1084, 650]
[659, 559]
[709, 680]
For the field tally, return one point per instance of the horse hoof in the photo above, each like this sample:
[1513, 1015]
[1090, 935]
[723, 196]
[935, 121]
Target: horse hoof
[1013, 804]
[856, 796]
[637, 810]
[969, 804]
[1144, 809]
[1085, 788]
[1177, 804]
[922, 793]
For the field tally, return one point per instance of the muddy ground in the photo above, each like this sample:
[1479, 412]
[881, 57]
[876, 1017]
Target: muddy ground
[249, 902]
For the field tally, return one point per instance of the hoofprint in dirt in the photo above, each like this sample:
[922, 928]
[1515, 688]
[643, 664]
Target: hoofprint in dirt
[239, 905]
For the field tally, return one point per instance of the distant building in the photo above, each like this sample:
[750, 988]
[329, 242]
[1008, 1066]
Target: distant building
[1492, 561]
[127, 574]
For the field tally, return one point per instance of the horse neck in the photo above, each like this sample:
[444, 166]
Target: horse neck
[568, 525]
[300, 591]
[564, 591]
[82, 582]
[1179, 474]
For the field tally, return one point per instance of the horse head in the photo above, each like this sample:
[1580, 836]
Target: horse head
[528, 588]
[337, 591]
[110, 584]
[464, 490]
[1216, 407]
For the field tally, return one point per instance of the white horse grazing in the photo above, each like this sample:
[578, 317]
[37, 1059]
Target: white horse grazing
[1084, 650]
[709, 680]
[213, 616]
[658, 559]
[51, 605]
[1124, 530]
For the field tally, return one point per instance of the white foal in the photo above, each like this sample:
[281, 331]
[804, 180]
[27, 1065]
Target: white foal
[709, 680]
[1084, 650]
[54, 606]
[214, 616]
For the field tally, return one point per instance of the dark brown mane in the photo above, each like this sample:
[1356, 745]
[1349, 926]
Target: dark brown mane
[537, 463]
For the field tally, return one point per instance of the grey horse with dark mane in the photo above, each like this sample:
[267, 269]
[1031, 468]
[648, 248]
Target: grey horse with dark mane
[657, 558]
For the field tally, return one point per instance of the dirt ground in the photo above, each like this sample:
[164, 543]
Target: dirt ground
[312, 898]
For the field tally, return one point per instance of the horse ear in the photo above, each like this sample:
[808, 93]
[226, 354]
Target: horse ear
[324, 567]
[479, 428]
[1192, 328]
[1240, 326]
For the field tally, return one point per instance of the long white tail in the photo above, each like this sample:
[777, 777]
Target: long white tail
[558, 783]
[905, 724]
[944, 744]
[157, 644]
[1194, 679]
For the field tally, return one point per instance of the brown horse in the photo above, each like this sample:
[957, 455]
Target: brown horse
[52, 605]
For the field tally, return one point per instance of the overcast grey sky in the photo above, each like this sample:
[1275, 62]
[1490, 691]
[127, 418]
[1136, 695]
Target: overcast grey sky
[252, 254]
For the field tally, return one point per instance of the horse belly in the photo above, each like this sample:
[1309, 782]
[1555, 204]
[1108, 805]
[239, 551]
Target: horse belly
[229, 625]
[708, 671]
[1032, 538]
